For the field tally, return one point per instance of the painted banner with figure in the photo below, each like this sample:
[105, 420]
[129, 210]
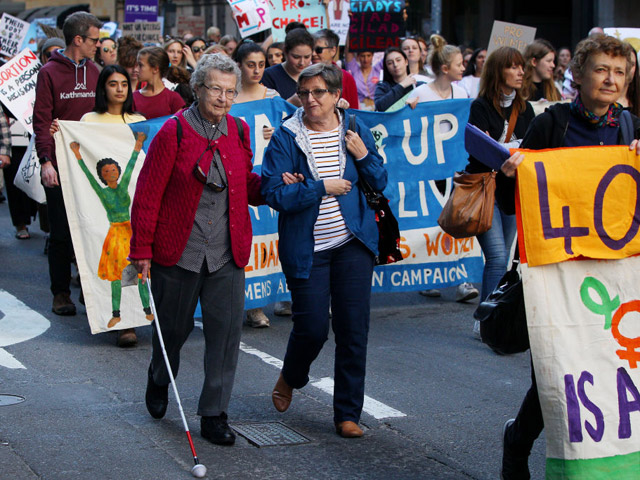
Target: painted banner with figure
[416, 156]
[99, 166]
[582, 315]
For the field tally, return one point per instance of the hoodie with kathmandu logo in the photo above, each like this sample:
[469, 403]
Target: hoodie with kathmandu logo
[66, 91]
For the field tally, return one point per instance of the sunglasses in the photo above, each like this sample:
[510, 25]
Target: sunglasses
[109, 49]
[94, 40]
[198, 49]
[202, 177]
[319, 50]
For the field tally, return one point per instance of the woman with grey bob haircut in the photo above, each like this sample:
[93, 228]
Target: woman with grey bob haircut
[214, 61]
[331, 74]
[327, 238]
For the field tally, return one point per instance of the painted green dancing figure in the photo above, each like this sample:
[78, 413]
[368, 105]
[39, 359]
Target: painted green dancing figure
[116, 201]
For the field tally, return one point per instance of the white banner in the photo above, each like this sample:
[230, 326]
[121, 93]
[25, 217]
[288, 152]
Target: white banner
[12, 34]
[99, 218]
[584, 327]
[18, 79]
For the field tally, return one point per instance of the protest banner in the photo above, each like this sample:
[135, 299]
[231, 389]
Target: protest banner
[145, 32]
[89, 211]
[631, 35]
[190, 24]
[140, 11]
[416, 154]
[12, 34]
[375, 25]
[251, 16]
[18, 79]
[36, 33]
[505, 34]
[582, 315]
[310, 12]
[339, 20]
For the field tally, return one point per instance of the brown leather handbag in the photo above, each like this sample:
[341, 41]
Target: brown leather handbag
[469, 210]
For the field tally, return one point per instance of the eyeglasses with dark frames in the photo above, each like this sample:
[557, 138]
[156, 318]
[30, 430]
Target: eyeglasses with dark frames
[317, 93]
[198, 49]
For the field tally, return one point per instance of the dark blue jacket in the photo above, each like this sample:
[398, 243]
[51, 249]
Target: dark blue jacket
[299, 203]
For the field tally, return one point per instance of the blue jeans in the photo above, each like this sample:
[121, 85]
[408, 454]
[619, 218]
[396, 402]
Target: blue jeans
[496, 244]
[341, 276]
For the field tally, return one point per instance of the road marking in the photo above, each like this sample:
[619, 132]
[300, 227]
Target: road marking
[376, 409]
[19, 324]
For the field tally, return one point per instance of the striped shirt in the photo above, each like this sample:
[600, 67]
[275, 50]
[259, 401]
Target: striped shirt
[330, 230]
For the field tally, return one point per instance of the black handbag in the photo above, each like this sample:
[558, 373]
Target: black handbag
[503, 320]
[388, 230]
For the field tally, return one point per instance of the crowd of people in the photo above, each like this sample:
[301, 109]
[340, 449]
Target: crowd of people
[197, 177]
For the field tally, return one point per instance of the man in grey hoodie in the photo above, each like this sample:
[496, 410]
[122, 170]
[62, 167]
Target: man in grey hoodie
[66, 90]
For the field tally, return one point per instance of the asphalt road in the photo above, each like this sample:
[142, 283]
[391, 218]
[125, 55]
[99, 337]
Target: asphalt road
[84, 414]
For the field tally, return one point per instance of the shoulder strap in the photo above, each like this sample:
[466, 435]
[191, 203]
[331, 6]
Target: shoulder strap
[513, 119]
[626, 127]
[178, 129]
[240, 128]
[352, 123]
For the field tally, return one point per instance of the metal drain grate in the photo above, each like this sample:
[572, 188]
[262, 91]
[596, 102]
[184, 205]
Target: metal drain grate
[8, 399]
[269, 434]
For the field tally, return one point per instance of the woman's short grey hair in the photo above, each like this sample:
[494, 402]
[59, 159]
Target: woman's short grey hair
[214, 61]
[331, 74]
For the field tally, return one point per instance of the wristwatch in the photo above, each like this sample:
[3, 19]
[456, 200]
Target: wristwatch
[44, 160]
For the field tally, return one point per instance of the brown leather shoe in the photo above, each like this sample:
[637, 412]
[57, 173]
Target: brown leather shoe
[281, 395]
[127, 338]
[349, 429]
[62, 305]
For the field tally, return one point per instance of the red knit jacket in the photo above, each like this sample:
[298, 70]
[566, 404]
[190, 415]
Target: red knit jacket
[167, 193]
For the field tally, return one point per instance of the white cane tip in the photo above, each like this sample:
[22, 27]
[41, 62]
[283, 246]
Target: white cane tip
[199, 471]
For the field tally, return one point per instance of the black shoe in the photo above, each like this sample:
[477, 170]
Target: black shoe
[156, 398]
[217, 430]
[514, 467]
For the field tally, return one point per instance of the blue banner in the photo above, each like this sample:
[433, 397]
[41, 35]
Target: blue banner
[422, 149]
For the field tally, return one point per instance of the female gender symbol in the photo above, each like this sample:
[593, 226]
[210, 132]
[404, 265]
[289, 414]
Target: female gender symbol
[606, 308]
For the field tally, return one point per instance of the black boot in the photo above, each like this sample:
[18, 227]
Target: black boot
[217, 430]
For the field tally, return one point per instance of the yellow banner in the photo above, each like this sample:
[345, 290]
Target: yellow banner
[579, 202]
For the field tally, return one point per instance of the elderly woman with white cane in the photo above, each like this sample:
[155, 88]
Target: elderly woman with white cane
[191, 228]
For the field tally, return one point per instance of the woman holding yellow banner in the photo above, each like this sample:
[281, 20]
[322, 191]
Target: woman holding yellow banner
[600, 66]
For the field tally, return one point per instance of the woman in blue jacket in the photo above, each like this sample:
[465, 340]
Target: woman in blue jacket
[328, 238]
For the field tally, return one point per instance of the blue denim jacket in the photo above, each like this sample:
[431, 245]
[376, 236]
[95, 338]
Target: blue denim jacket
[298, 204]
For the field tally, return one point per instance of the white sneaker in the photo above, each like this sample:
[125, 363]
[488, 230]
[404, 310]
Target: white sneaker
[256, 318]
[476, 330]
[466, 291]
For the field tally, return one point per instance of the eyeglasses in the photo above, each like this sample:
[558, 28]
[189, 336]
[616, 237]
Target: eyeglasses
[318, 93]
[217, 92]
[202, 177]
[94, 40]
[107, 49]
[319, 50]
[198, 49]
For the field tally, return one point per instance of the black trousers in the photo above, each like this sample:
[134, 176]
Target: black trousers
[60, 246]
[529, 423]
